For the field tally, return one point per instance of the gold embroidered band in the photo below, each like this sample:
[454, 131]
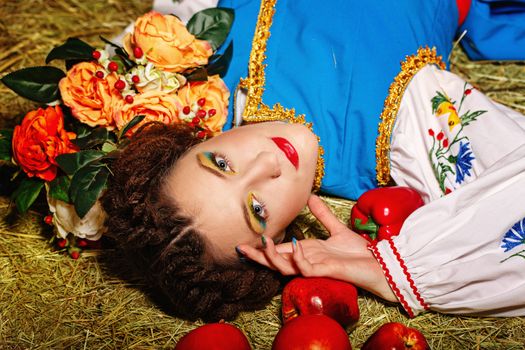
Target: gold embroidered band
[409, 68]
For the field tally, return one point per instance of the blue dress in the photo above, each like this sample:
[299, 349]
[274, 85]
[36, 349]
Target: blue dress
[335, 68]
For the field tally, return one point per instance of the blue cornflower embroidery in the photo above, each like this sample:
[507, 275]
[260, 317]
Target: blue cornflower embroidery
[513, 238]
[463, 162]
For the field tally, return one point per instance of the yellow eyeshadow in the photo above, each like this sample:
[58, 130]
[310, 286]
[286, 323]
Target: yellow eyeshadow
[207, 159]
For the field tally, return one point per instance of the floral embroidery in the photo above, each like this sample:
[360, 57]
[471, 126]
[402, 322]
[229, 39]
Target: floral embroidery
[513, 238]
[463, 162]
[451, 155]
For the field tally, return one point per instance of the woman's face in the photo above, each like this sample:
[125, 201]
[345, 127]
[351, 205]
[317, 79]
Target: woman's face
[246, 182]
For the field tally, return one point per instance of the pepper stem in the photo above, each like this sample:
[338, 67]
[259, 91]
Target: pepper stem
[370, 227]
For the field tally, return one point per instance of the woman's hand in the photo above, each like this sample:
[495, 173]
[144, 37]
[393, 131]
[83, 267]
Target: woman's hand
[343, 256]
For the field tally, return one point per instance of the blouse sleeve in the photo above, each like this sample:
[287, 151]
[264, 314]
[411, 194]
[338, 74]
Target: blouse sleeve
[495, 30]
[464, 251]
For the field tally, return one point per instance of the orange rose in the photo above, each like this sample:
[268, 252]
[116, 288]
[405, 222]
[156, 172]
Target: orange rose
[167, 43]
[154, 105]
[215, 95]
[39, 140]
[92, 100]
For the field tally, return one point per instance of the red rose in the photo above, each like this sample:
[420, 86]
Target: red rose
[39, 140]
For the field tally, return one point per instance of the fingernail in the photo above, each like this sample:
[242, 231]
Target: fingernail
[294, 242]
[263, 240]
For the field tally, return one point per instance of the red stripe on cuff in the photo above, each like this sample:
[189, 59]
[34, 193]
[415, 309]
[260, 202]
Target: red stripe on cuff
[407, 275]
[390, 281]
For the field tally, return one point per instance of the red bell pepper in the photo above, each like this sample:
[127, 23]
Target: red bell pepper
[379, 213]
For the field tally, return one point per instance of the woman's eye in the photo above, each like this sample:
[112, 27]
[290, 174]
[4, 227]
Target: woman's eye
[258, 208]
[258, 215]
[221, 163]
[216, 161]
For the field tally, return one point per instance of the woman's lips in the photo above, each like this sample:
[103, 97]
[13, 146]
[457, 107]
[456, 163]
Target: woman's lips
[288, 149]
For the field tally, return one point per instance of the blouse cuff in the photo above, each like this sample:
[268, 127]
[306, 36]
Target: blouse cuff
[398, 277]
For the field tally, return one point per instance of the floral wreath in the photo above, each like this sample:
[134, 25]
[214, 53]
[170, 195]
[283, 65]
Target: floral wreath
[165, 71]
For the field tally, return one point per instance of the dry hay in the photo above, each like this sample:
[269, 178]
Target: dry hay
[49, 301]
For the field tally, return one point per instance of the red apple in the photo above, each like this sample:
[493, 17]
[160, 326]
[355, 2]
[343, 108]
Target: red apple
[320, 296]
[396, 336]
[214, 336]
[311, 332]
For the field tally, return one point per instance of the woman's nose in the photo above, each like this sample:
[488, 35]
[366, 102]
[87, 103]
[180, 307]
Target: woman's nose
[264, 166]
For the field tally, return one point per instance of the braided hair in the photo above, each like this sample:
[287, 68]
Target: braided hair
[161, 244]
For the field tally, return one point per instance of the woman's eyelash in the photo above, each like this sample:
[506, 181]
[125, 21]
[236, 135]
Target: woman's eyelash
[259, 208]
[220, 161]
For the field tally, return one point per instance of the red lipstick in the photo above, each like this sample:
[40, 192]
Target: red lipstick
[288, 150]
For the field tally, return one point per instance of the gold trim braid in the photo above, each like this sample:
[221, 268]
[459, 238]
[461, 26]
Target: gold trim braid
[256, 110]
[409, 68]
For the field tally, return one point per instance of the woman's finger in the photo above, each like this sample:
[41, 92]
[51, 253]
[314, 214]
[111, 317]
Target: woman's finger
[325, 216]
[302, 264]
[284, 266]
[284, 248]
[257, 255]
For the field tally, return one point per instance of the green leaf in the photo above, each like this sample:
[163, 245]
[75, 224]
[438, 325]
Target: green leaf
[82, 130]
[71, 63]
[59, 188]
[72, 162]
[6, 136]
[219, 64]
[72, 49]
[469, 117]
[39, 84]
[199, 74]
[137, 119]
[212, 25]
[120, 52]
[26, 193]
[109, 147]
[86, 186]
[96, 137]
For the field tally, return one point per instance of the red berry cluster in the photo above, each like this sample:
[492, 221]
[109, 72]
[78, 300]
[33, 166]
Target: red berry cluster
[72, 245]
[201, 115]
[113, 67]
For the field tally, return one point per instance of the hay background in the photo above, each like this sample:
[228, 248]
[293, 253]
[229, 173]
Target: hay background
[49, 301]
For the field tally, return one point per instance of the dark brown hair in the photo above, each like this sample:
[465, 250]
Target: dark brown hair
[148, 228]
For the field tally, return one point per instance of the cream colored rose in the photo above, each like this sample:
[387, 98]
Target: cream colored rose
[92, 100]
[151, 78]
[66, 220]
[216, 96]
[154, 105]
[166, 43]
